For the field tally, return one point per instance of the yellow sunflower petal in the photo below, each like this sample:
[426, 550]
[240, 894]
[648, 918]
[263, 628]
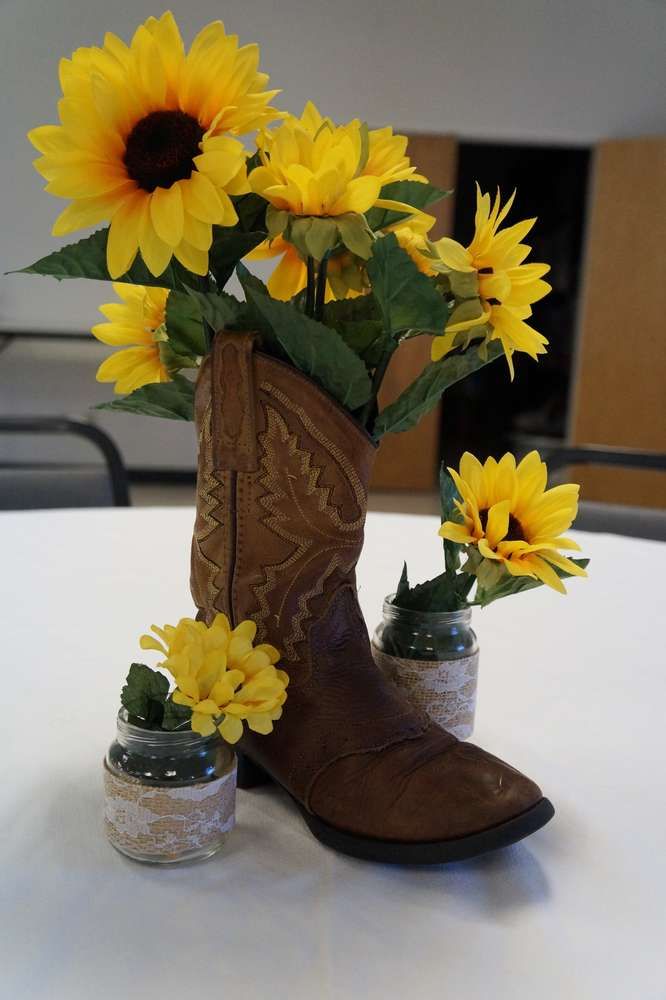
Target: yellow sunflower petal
[202, 724]
[230, 729]
[123, 241]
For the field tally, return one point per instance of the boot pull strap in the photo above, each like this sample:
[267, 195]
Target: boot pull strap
[233, 398]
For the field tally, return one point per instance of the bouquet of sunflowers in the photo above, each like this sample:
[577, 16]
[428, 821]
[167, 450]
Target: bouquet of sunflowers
[149, 145]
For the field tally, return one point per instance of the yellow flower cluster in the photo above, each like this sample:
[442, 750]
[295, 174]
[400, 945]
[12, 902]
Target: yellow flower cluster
[505, 288]
[221, 676]
[512, 520]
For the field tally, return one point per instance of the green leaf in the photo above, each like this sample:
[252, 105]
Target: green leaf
[420, 196]
[320, 237]
[184, 327]
[403, 585]
[407, 298]
[251, 210]
[447, 494]
[351, 310]
[510, 585]
[423, 394]
[465, 285]
[144, 693]
[251, 318]
[316, 350]
[367, 338]
[358, 321]
[173, 400]
[438, 594]
[87, 259]
[228, 248]
[356, 234]
[277, 221]
[175, 715]
[219, 309]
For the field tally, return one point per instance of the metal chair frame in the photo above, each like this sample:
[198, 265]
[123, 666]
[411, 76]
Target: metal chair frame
[65, 425]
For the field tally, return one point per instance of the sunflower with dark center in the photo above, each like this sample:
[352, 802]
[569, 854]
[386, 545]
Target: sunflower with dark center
[146, 141]
[508, 515]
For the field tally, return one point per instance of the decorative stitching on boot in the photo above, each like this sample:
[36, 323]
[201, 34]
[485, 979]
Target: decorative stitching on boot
[340, 458]
[232, 390]
[208, 504]
[313, 543]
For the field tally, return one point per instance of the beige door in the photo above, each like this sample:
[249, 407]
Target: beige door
[619, 381]
[410, 460]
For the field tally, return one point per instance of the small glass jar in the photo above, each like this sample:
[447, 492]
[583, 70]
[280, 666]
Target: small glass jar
[433, 656]
[169, 796]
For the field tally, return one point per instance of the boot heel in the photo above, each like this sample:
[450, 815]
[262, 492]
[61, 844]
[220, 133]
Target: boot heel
[249, 774]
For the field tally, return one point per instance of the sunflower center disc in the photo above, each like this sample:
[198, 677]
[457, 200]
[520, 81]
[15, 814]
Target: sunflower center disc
[160, 149]
[514, 532]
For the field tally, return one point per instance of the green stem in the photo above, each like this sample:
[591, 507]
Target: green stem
[377, 379]
[320, 295]
[310, 292]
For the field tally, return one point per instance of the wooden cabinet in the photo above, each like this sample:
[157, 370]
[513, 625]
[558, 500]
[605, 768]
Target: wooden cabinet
[619, 378]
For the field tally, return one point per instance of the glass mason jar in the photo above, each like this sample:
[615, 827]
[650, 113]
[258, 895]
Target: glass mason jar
[433, 656]
[169, 796]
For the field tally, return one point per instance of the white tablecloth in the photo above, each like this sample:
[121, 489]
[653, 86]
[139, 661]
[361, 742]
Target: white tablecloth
[572, 691]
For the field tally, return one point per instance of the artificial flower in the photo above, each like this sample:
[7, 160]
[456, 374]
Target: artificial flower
[387, 152]
[137, 320]
[505, 288]
[346, 277]
[314, 175]
[384, 160]
[514, 522]
[221, 675]
[317, 173]
[146, 141]
[411, 234]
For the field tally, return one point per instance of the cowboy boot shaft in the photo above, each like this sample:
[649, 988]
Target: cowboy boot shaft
[281, 494]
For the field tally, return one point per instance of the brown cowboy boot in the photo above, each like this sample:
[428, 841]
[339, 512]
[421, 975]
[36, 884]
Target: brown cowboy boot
[281, 505]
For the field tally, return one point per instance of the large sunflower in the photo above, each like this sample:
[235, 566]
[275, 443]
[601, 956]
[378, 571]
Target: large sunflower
[512, 519]
[145, 141]
[134, 324]
[507, 287]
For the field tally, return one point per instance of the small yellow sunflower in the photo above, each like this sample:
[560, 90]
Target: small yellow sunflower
[221, 675]
[507, 287]
[412, 234]
[387, 152]
[145, 141]
[513, 521]
[136, 320]
[315, 173]
[384, 161]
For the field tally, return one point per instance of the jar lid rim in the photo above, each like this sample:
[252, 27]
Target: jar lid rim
[174, 738]
[436, 617]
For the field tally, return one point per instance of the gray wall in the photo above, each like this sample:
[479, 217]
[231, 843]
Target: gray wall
[542, 70]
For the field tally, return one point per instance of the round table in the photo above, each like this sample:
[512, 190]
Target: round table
[572, 691]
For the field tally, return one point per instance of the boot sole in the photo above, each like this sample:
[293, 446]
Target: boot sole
[396, 852]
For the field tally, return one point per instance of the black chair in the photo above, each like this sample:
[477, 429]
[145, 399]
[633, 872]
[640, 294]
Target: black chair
[636, 522]
[32, 485]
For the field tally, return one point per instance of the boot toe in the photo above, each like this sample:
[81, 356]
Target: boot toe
[423, 790]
